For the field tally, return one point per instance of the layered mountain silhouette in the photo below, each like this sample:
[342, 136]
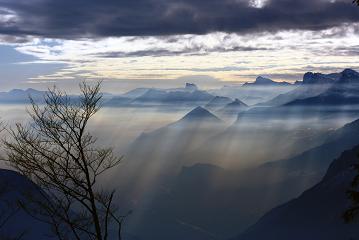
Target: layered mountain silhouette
[137, 92]
[319, 78]
[313, 84]
[344, 91]
[317, 213]
[262, 81]
[238, 198]
[164, 97]
[21, 96]
[261, 90]
[234, 107]
[190, 94]
[218, 102]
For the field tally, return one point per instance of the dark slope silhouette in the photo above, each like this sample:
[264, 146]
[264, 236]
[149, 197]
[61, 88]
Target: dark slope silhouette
[14, 186]
[317, 213]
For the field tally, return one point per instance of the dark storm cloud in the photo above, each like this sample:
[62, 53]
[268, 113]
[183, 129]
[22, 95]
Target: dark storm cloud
[193, 51]
[89, 18]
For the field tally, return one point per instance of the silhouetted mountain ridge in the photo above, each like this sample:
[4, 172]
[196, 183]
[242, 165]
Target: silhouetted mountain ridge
[344, 91]
[317, 213]
[262, 81]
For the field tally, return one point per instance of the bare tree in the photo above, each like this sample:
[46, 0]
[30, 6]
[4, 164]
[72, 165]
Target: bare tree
[356, 2]
[57, 152]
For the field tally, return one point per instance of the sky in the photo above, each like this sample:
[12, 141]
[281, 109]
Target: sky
[164, 43]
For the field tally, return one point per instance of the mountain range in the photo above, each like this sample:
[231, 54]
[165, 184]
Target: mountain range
[343, 91]
[321, 89]
[21, 96]
[315, 89]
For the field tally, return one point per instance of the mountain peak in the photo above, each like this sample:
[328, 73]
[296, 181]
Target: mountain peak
[237, 103]
[191, 86]
[262, 80]
[350, 74]
[199, 114]
[316, 78]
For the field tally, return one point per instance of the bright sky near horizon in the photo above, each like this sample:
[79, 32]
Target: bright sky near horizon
[155, 42]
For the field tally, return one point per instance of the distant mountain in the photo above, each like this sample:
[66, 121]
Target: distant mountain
[135, 93]
[218, 102]
[262, 81]
[21, 96]
[344, 91]
[170, 97]
[313, 84]
[188, 93]
[175, 139]
[118, 101]
[191, 87]
[236, 103]
[138, 92]
[319, 78]
[349, 76]
[234, 107]
[317, 213]
[199, 114]
[160, 153]
[263, 89]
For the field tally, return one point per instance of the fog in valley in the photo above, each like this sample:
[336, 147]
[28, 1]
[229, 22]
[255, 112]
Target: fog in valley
[196, 170]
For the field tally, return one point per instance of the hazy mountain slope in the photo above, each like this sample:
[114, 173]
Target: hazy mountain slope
[273, 133]
[317, 213]
[234, 107]
[218, 102]
[239, 197]
[160, 153]
[137, 92]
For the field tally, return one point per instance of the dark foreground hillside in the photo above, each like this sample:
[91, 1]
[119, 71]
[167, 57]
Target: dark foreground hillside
[317, 213]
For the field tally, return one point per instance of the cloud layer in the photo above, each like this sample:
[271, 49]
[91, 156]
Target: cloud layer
[95, 18]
